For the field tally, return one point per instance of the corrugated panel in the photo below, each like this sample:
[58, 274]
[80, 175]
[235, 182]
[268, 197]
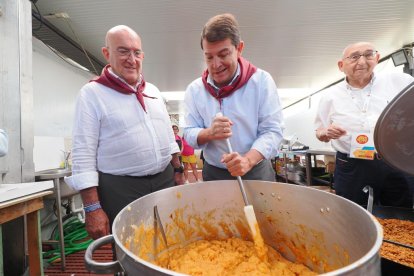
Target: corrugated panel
[297, 41]
[51, 36]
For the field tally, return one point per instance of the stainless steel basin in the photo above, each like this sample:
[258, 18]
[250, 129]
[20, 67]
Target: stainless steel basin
[52, 174]
[57, 174]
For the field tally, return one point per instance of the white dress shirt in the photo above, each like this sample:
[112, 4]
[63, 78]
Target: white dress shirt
[344, 105]
[254, 109]
[113, 134]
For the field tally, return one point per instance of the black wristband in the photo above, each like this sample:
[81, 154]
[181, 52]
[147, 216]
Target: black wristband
[180, 169]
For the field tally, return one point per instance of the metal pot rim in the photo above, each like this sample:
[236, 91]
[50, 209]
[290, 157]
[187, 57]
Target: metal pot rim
[346, 269]
[374, 250]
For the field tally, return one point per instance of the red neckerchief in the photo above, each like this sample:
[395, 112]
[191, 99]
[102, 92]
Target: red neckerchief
[107, 79]
[246, 71]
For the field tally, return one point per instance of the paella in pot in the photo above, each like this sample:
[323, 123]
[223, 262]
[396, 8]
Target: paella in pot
[314, 229]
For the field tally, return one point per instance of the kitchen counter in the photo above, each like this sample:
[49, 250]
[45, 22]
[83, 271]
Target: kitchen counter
[12, 191]
[25, 199]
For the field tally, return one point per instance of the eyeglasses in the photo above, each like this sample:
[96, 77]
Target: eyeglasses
[369, 55]
[124, 52]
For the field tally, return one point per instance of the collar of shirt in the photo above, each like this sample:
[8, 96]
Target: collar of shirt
[261, 130]
[121, 79]
[361, 96]
[211, 81]
[348, 86]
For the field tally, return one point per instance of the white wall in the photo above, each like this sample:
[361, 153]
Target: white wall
[55, 87]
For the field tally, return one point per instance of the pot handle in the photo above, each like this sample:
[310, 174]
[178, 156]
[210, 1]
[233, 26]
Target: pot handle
[100, 267]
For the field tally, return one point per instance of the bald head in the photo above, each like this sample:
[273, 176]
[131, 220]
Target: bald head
[123, 51]
[120, 30]
[357, 45]
[358, 62]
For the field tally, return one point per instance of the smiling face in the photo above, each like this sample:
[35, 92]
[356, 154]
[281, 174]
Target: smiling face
[123, 52]
[221, 59]
[358, 70]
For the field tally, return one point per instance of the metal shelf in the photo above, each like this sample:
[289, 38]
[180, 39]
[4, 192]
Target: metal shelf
[308, 158]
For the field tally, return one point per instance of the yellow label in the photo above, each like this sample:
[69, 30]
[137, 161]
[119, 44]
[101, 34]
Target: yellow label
[364, 154]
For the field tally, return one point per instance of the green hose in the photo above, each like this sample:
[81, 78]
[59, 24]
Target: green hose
[75, 239]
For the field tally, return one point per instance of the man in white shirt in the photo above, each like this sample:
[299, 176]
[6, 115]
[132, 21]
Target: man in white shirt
[4, 144]
[245, 95]
[123, 144]
[347, 116]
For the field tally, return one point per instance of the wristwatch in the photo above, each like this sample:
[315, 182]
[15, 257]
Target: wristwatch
[180, 169]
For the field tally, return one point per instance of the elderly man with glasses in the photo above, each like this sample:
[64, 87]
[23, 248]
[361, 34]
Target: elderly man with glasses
[123, 144]
[346, 117]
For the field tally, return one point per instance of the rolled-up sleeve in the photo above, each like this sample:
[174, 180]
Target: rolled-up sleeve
[82, 181]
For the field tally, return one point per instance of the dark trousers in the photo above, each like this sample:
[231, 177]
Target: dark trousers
[391, 187]
[117, 191]
[262, 171]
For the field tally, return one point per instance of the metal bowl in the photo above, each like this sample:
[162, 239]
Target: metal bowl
[327, 233]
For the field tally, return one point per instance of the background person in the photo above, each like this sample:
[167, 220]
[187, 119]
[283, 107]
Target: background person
[178, 139]
[248, 99]
[189, 161]
[123, 144]
[351, 108]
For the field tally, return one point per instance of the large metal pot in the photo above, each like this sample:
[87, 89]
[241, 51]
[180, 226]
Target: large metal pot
[319, 229]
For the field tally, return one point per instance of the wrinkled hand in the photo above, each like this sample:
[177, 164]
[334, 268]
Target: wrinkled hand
[331, 132]
[97, 224]
[220, 128]
[236, 164]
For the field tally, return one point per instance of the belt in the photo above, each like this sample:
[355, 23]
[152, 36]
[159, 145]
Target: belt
[133, 176]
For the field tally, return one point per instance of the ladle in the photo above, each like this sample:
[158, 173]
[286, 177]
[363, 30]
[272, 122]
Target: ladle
[157, 217]
[164, 237]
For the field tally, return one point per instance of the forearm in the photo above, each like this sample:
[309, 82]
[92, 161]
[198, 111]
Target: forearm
[204, 136]
[254, 157]
[89, 196]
